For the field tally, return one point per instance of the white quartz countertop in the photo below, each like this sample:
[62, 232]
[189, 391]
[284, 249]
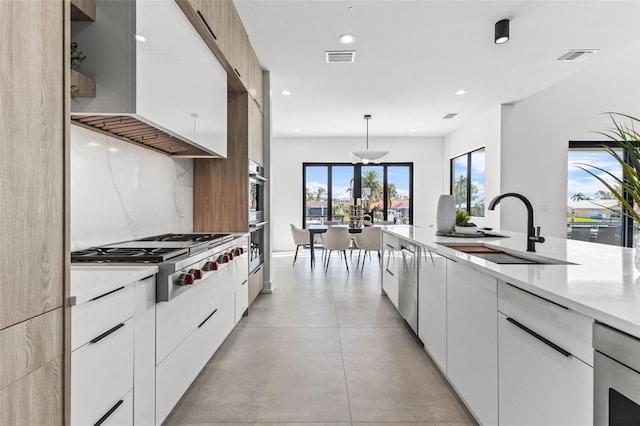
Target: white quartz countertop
[89, 281]
[602, 284]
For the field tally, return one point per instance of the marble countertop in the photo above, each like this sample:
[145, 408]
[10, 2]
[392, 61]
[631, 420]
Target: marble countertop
[602, 283]
[91, 280]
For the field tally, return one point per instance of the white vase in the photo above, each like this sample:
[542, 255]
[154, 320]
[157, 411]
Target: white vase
[446, 214]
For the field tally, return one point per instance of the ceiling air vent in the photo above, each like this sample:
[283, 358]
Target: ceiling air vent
[577, 55]
[341, 56]
[450, 115]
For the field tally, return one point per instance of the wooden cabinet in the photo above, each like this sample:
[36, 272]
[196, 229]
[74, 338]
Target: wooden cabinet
[255, 79]
[544, 378]
[255, 135]
[215, 15]
[472, 339]
[432, 306]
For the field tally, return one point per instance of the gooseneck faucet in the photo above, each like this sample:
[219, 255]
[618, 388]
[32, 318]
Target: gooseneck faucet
[533, 237]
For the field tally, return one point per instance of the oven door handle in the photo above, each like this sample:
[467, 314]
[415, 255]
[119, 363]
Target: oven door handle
[257, 177]
[257, 225]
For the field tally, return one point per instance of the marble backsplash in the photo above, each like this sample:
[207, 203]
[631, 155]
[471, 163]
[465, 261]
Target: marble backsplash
[120, 191]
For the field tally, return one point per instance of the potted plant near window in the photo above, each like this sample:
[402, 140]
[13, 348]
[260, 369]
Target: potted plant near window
[626, 139]
[463, 226]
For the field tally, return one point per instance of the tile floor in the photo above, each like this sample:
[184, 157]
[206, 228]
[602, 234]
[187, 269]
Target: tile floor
[323, 349]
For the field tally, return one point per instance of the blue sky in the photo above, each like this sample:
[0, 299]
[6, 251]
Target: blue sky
[580, 181]
[342, 175]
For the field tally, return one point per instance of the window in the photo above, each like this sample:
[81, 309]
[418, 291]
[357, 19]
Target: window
[468, 181]
[593, 213]
[386, 191]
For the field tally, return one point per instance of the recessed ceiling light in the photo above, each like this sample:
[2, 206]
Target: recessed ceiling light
[461, 92]
[140, 38]
[286, 92]
[412, 130]
[94, 144]
[296, 131]
[112, 149]
[347, 39]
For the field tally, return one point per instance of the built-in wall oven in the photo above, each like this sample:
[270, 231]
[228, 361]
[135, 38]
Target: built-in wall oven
[616, 377]
[256, 215]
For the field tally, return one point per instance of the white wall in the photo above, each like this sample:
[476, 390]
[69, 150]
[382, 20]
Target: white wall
[288, 154]
[120, 191]
[536, 132]
[482, 130]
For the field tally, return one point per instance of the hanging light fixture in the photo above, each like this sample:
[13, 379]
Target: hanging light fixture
[367, 156]
[501, 34]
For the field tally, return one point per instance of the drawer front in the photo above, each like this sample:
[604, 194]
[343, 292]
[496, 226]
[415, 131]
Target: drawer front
[176, 319]
[176, 372]
[242, 299]
[101, 373]
[565, 328]
[91, 318]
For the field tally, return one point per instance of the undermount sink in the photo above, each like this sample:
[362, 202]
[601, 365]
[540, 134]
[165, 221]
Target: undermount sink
[502, 257]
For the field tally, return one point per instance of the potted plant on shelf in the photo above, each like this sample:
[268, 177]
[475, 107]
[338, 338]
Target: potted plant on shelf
[626, 139]
[463, 226]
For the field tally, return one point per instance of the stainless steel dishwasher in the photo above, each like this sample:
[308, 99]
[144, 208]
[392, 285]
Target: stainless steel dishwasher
[408, 284]
[616, 371]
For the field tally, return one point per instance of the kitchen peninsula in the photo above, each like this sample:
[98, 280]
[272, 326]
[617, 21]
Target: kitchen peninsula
[515, 340]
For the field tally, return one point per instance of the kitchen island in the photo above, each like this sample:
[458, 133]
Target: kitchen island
[515, 340]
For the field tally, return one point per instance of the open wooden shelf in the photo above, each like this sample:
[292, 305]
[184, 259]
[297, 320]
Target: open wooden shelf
[86, 86]
[83, 10]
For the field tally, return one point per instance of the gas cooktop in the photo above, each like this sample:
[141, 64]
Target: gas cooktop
[155, 249]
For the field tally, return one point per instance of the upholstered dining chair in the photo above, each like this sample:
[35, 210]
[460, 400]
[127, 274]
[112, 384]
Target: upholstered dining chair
[336, 238]
[300, 238]
[370, 239]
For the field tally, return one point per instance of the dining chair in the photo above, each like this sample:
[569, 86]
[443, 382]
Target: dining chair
[300, 238]
[370, 239]
[581, 234]
[336, 238]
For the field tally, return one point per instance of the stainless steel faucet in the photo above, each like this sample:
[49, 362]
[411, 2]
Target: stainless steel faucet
[533, 234]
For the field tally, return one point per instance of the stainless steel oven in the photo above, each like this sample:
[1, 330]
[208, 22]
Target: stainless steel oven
[616, 377]
[256, 193]
[256, 245]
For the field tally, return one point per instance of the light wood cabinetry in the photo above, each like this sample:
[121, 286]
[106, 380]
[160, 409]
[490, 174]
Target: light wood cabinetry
[34, 97]
[256, 84]
[472, 339]
[255, 136]
[221, 187]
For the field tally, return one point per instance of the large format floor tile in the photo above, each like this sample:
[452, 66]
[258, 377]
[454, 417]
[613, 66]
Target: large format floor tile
[325, 349]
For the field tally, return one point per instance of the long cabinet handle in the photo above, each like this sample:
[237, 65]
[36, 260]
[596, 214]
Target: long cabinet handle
[110, 412]
[244, 282]
[207, 318]
[390, 272]
[237, 72]
[539, 337]
[106, 294]
[207, 25]
[106, 333]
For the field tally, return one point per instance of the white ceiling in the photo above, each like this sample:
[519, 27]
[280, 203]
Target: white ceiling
[412, 56]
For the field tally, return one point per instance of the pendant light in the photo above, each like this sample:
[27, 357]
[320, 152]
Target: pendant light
[367, 156]
[501, 34]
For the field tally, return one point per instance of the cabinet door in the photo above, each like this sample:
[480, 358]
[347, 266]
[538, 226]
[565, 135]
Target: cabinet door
[215, 15]
[144, 361]
[538, 384]
[391, 259]
[432, 306]
[255, 78]
[255, 283]
[239, 54]
[256, 139]
[472, 339]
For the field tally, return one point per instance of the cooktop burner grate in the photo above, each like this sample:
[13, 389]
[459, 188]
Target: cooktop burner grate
[185, 237]
[117, 254]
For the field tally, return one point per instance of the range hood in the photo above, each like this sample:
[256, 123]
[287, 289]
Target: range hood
[158, 84]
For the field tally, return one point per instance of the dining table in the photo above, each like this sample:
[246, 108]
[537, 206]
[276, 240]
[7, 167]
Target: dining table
[321, 229]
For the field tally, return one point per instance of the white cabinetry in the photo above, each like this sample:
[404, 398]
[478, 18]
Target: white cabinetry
[144, 361]
[432, 306]
[472, 339]
[542, 379]
[392, 258]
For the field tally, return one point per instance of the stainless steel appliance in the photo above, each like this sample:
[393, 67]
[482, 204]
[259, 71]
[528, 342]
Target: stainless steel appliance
[256, 192]
[616, 372]
[256, 245]
[183, 259]
[408, 284]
